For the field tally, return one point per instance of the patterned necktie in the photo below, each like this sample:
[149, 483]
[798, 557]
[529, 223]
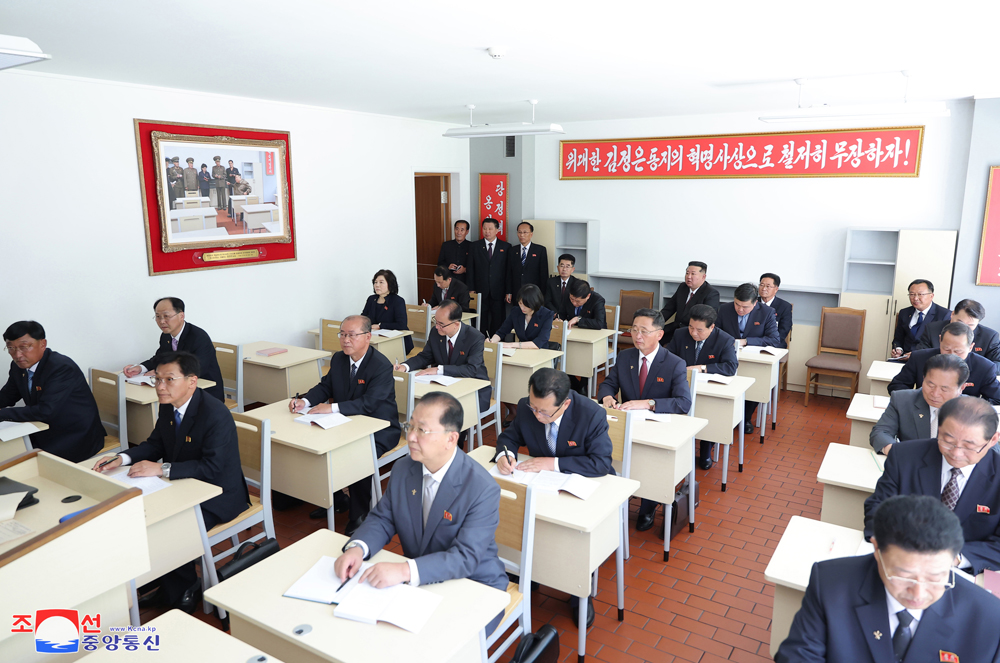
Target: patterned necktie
[697, 349]
[949, 496]
[920, 321]
[489, 250]
[354, 371]
[901, 638]
[428, 495]
[643, 372]
[553, 436]
[173, 344]
[690, 295]
[451, 349]
[31, 375]
[524, 255]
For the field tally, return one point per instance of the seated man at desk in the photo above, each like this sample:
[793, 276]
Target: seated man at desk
[584, 308]
[986, 341]
[695, 290]
[649, 378]
[708, 349]
[359, 382]
[454, 349]
[557, 288]
[768, 291]
[957, 468]
[904, 598]
[54, 391]
[176, 336]
[449, 287]
[956, 339]
[459, 511]
[911, 320]
[912, 414]
[195, 438]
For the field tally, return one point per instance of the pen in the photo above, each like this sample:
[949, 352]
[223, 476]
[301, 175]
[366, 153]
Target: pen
[297, 397]
[346, 580]
[108, 461]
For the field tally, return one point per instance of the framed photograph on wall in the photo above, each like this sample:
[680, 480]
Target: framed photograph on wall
[989, 251]
[214, 196]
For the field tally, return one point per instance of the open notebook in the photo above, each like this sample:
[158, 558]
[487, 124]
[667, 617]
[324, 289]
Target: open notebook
[324, 421]
[440, 379]
[552, 482]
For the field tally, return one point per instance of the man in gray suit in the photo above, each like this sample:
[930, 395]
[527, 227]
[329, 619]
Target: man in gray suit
[443, 505]
[912, 413]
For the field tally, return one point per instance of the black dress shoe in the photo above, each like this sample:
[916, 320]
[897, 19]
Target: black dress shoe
[705, 463]
[574, 605]
[341, 502]
[317, 513]
[645, 521]
[190, 599]
[153, 599]
[353, 525]
[747, 427]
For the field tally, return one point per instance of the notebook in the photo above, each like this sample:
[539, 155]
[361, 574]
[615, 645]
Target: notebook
[324, 421]
[440, 379]
[714, 377]
[9, 486]
[404, 606]
[880, 402]
[270, 352]
[320, 584]
[141, 380]
[552, 482]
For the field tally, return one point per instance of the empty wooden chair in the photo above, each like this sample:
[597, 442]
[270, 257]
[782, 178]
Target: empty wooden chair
[493, 358]
[838, 352]
[109, 392]
[230, 359]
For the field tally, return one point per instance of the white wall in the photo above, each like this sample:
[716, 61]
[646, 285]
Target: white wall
[73, 252]
[795, 227]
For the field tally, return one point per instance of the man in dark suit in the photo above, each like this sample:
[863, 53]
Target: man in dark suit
[705, 347]
[557, 287]
[488, 276]
[54, 391]
[359, 382]
[901, 603]
[455, 252]
[986, 341]
[448, 530]
[911, 320]
[178, 335]
[957, 468]
[449, 287]
[956, 339]
[695, 290]
[912, 414]
[584, 308]
[195, 436]
[769, 284]
[529, 263]
[649, 378]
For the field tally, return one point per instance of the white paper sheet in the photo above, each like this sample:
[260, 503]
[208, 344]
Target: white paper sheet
[148, 485]
[388, 333]
[325, 421]
[11, 529]
[509, 352]
[573, 484]
[402, 605]
[140, 379]
[518, 476]
[8, 504]
[646, 415]
[320, 583]
[24, 428]
[714, 377]
[881, 402]
[439, 379]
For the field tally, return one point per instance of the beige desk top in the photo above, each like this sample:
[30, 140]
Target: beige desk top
[851, 467]
[885, 370]
[463, 387]
[193, 211]
[590, 335]
[758, 357]
[21, 429]
[287, 431]
[567, 510]
[293, 357]
[143, 394]
[531, 358]
[862, 408]
[733, 390]
[804, 542]
[261, 207]
[468, 317]
[256, 595]
[672, 435]
[378, 338]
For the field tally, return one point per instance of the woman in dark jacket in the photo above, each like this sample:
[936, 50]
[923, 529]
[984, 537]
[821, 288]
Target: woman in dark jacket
[530, 321]
[386, 309]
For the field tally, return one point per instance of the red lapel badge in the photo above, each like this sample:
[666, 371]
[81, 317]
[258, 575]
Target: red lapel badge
[187, 438]
[37, 388]
[947, 656]
[536, 324]
[361, 381]
[386, 308]
[571, 443]
[659, 379]
[756, 323]
[447, 516]
[711, 356]
[532, 255]
[461, 352]
[982, 509]
[979, 349]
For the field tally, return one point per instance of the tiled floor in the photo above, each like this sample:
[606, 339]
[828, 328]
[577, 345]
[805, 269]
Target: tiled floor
[710, 602]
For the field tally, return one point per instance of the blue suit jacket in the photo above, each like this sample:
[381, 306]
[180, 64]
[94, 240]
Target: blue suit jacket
[845, 606]
[783, 310]
[718, 354]
[196, 341]
[537, 331]
[903, 336]
[761, 326]
[666, 381]
[982, 375]
[460, 546]
[583, 446]
[914, 468]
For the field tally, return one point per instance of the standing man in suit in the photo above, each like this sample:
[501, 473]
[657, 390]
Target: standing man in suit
[649, 378]
[196, 438]
[488, 274]
[902, 603]
[584, 308]
[179, 335]
[769, 284]
[359, 382]
[171, 193]
[443, 505]
[449, 287]
[708, 349]
[219, 178]
[695, 290]
[54, 391]
[957, 468]
[911, 320]
[956, 339]
[190, 177]
[175, 175]
[455, 252]
[557, 288]
[912, 414]
[986, 341]
[529, 263]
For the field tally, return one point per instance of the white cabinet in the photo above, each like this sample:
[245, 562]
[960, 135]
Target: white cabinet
[578, 237]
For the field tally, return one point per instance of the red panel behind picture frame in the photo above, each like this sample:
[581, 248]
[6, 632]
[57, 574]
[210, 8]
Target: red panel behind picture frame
[161, 262]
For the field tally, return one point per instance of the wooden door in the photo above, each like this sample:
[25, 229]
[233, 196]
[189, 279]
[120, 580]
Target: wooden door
[432, 192]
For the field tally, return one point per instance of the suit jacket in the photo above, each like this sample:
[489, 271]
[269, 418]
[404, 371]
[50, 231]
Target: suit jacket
[845, 606]
[489, 277]
[205, 447]
[391, 314]
[535, 269]
[592, 314]
[555, 300]
[982, 375]
[59, 397]
[679, 305]
[904, 336]
[907, 417]
[454, 253]
[196, 341]
[761, 326]
[666, 381]
[986, 341]
[466, 361]
[459, 540]
[914, 468]
[583, 445]
[783, 310]
[538, 330]
[457, 291]
[372, 393]
[718, 353]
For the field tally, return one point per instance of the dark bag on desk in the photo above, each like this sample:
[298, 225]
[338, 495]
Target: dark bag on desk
[679, 514]
[246, 556]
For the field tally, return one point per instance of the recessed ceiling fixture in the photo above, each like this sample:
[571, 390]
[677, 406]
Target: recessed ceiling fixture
[17, 51]
[508, 129]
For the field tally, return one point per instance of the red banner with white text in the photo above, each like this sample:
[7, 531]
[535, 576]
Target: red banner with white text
[493, 200]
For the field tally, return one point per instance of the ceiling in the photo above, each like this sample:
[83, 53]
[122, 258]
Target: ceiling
[583, 60]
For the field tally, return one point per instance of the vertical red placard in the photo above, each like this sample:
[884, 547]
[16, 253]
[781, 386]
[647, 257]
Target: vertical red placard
[269, 163]
[493, 199]
[989, 251]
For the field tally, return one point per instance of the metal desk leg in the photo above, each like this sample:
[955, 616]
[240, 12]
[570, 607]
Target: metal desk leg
[133, 610]
[741, 438]
[690, 491]
[668, 510]
[774, 407]
[330, 525]
[620, 575]
[762, 418]
[581, 636]
[725, 461]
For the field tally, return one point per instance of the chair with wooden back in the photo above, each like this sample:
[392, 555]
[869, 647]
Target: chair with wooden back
[493, 358]
[474, 305]
[620, 431]
[329, 339]
[611, 313]
[630, 301]
[109, 392]
[419, 320]
[403, 385]
[192, 194]
[188, 203]
[558, 336]
[838, 352]
[230, 359]
[783, 364]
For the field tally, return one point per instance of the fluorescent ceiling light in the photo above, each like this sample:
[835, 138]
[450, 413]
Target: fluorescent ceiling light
[508, 129]
[17, 51]
[867, 112]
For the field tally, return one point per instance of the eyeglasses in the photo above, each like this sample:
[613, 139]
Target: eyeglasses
[442, 325]
[165, 318]
[407, 427]
[636, 331]
[168, 381]
[343, 335]
[766, 286]
[910, 582]
[546, 414]
[14, 349]
[918, 295]
[958, 447]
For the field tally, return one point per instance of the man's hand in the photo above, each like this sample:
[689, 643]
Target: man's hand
[348, 564]
[460, 269]
[507, 299]
[700, 368]
[431, 370]
[386, 574]
[400, 367]
[885, 449]
[743, 342]
[897, 352]
[322, 408]
[296, 405]
[132, 370]
[145, 468]
[538, 464]
[609, 402]
[505, 465]
[635, 405]
[376, 327]
[573, 322]
[110, 466]
[453, 267]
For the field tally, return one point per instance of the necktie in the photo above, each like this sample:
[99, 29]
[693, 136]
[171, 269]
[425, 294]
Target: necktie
[177, 418]
[743, 324]
[643, 372]
[354, 371]
[451, 349]
[428, 495]
[949, 496]
[444, 294]
[690, 295]
[563, 288]
[901, 638]
[920, 320]
[173, 344]
[934, 417]
[578, 310]
[553, 436]
[31, 375]
[524, 255]
[489, 250]
[697, 349]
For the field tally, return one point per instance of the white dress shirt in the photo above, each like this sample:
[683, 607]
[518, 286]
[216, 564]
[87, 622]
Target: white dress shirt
[175, 338]
[916, 315]
[334, 407]
[127, 460]
[894, 607]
